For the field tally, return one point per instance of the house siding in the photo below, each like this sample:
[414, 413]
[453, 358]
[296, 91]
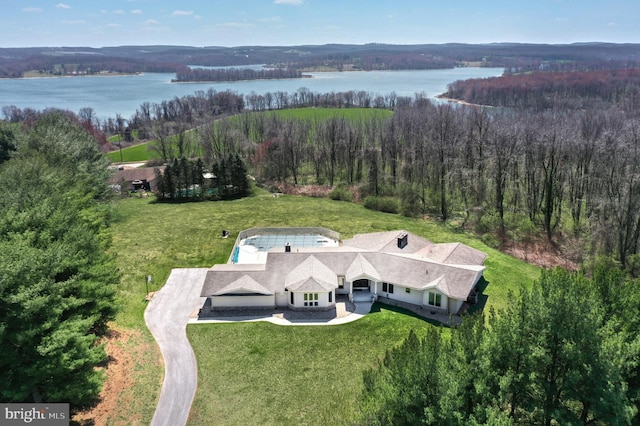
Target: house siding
[346, 286]
[400, 294]
[323, 300]
[445, 302]
[282, 299]
[234, 301]
[455, 305]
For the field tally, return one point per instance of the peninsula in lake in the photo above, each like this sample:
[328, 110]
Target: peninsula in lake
[292, 61]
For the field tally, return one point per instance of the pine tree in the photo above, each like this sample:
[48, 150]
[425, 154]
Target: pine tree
[56, 281]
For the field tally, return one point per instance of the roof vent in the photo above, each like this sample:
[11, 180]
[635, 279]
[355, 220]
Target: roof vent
[403, 240]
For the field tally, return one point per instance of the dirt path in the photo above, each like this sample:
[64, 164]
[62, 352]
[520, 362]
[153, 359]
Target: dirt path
[167, 316]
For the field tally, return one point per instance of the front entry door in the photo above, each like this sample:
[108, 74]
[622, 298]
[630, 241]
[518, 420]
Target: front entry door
[361, 285]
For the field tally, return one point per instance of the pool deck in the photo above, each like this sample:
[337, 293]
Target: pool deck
[253, 250]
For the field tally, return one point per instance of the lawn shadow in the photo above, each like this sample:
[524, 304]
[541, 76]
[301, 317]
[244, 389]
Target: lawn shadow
[377, 306]
[482, 297]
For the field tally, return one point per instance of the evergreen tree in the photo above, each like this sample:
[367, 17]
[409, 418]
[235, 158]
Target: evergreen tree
[565, 351]
[7, 143]
[56, 280]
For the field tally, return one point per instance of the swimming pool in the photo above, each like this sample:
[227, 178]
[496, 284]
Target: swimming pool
[252, 246]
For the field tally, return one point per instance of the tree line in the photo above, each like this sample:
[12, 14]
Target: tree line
[543, 90]
[189, 180]
[563, 352]
[57, 282]
[187, 74]
[511, 173]
[81, 64]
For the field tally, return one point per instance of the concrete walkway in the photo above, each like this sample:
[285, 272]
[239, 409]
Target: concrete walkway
[362, 309]
[166, 317]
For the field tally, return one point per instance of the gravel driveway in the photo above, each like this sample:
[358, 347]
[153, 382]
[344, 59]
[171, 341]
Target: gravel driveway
[166, 317]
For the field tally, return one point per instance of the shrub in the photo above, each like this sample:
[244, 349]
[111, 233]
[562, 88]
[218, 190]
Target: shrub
[382, 204]
[411, 204]
[491, 240]
[340, 193]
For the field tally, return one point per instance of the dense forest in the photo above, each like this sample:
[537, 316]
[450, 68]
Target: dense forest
[544, 90]
[57, 282]
[510, 174]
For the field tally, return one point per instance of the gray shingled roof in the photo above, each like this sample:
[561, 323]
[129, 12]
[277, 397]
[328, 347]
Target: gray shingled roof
[311, 275]
[453, 254]
[361, 267]
[244, 284]
[387, 242]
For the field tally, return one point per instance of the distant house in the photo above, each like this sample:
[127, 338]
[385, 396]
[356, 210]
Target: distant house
[133, 179]
[393, 266]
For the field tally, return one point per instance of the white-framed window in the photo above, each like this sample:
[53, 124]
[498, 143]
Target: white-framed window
[387, 287]
[310, 299]
[435, 299]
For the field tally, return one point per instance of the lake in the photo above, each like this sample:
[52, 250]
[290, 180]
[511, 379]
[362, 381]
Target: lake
[111, 95]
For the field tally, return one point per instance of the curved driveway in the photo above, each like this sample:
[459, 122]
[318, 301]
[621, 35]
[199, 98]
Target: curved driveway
[167, 316]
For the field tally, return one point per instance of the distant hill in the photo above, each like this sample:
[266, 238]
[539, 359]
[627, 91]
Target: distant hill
[15, 62]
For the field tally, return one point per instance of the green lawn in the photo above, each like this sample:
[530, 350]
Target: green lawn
[321, 114]
[236, 360]
[261, 373]
[141, 152]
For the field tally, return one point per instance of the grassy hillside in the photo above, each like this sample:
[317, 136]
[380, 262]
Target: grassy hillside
[144, 151]
[141, 152]
[328, 113]
[152, 238]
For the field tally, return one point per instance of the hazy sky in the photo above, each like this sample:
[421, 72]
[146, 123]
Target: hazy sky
[291, 22]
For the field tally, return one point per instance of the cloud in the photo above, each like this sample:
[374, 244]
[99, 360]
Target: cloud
[182, 13]
[32, 9]
[136, 12]
[63, 6]
[292, 2]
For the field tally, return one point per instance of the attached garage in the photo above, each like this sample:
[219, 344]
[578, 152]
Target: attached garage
[244, 292]
[243, 301]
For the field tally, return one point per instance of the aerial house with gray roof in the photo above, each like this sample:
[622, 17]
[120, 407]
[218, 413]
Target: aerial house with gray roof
[307, 268]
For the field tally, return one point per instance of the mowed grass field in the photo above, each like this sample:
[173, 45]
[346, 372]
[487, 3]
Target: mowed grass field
[261, 373]
[145, 151]
[141, 152]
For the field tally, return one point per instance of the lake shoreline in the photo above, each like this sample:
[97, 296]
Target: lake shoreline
[30, 77]
[442, 97]
[124, 95]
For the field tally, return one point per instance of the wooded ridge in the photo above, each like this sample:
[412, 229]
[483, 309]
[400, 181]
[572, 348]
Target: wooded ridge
[14, 62]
